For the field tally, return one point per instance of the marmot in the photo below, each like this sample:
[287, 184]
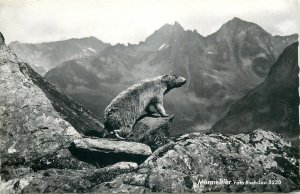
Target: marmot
[121, 114]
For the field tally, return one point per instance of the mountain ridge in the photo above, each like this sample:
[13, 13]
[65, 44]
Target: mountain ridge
[219, 69]
[47, 55]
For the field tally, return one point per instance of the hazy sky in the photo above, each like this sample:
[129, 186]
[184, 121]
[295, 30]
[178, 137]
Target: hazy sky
[132, 21]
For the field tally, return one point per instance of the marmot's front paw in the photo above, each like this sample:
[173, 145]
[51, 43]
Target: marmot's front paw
[172, 115]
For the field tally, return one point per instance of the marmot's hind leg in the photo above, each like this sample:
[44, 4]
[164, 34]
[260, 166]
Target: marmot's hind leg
[148, 110]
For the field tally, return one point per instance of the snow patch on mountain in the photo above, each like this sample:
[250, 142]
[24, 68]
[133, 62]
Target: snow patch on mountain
[93, 50]
[163, 46]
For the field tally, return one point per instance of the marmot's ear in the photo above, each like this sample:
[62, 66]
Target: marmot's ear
[166, 77]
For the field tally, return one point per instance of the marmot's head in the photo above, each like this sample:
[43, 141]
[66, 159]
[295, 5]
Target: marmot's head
[173, 81]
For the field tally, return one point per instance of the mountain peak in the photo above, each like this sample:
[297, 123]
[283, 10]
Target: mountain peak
[236, 25]
[237, 21]
[165, 32]
[177, 25]
[171, 27]
[90, 38]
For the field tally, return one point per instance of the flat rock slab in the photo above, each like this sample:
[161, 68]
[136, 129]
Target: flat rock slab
[111, 146]
[102, 152]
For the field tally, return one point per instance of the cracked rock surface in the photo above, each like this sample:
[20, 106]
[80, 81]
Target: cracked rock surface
[180, 165]
[32, 133]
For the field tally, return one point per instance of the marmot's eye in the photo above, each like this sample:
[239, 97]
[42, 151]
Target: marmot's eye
[165, 77]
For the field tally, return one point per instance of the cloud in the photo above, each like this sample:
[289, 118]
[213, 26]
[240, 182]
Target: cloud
[133, 20]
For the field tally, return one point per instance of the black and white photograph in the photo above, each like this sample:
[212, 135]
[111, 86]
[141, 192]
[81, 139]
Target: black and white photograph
[141, 96]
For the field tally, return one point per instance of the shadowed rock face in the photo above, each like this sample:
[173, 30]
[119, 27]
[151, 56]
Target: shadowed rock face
[272, 105]
[180, 165]
[78, 116]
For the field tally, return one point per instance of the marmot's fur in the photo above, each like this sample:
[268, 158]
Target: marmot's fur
[121, 114]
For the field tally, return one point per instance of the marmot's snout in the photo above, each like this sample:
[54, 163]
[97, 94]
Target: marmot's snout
[173, 81]
[180, 81]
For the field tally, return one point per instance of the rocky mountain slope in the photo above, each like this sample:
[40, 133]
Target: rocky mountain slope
[219, 68]
[42, 152]
[272, 105]
[45, 56]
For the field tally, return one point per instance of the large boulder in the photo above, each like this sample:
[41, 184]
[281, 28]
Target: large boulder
[236, 162]
[102, 152]
[33, 135]
[152, 130]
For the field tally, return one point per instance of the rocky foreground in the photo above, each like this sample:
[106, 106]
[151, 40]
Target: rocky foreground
[42, 150]
[178, 166]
